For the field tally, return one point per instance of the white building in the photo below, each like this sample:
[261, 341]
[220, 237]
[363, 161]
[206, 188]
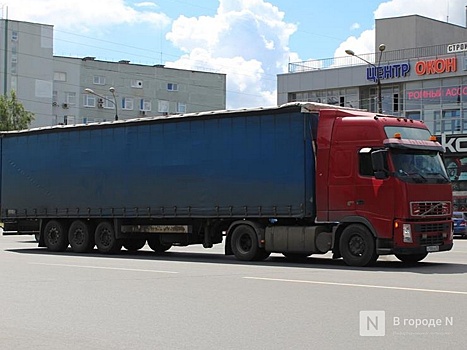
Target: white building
[53, 87]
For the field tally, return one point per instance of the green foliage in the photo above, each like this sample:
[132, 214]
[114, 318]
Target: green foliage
[13, 116]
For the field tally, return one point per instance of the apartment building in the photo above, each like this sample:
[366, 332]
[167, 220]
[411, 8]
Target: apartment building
[69, 90]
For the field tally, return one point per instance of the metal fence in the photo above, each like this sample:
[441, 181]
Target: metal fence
[387, 56]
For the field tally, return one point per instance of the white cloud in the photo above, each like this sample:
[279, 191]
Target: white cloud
[355, 26]
[81, 14]
[363, 44]
[246, 39]
[436, 9]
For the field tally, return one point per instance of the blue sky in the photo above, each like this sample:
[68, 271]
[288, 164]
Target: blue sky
[249, 40]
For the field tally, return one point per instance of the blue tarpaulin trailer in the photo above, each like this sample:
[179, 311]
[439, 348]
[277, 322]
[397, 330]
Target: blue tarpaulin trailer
[246, 164]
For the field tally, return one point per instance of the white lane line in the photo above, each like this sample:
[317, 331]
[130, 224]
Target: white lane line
[104, 268]
[358, 285]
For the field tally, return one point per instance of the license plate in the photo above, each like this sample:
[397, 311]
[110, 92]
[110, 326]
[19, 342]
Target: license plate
[432, 248]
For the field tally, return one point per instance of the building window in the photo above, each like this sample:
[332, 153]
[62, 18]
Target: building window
[138, 84]
[59, 76]
[89, 101]
[145, 105]
[98, 80]
[14, 35]
[108, 102]
[181, 107]
[70, 98]
[69, 119]
[172, 87]
[127, 103]
[54, 98]
[163, 106]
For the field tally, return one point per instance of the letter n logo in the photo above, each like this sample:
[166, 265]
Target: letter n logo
[372, 324]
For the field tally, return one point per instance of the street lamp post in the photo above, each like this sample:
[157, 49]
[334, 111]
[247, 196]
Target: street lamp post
[381, 48]
[114, 101]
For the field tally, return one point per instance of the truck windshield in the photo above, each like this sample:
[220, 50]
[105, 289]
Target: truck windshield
[419, 166]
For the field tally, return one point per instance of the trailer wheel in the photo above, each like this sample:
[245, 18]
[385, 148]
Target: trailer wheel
[80, 236]
[245, 246]
[157, 246]
[357, 246]
[106, 241]
[134, 244]
[55, 236]
[411, 258]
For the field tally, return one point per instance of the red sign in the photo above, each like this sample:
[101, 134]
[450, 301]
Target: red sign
[437, 66]
[448, 92]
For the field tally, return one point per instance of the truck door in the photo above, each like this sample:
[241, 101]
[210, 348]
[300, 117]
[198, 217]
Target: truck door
[374, 198]
[341, 183]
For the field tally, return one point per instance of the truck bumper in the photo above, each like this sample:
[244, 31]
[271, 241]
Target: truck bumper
[422, 249]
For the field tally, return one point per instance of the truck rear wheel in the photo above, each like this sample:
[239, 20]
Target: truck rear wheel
[157, 246]
[245, 244]
[357, 246]
[80, 237]
[134, 244]
[411, 258]
[106, 241]
[55, 236]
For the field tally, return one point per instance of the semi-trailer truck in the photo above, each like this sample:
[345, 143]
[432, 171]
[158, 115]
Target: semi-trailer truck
[297, 179]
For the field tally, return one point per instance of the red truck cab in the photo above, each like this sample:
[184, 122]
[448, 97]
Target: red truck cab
[363, 185]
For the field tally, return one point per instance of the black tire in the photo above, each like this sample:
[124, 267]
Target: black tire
[81, 237]
[411, 258]
[55, 236]
[245, 245]
[134, 244]
[157, 246]
[105, 239]
[357, 246]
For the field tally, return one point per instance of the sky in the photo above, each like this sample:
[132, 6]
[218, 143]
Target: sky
[251, 41]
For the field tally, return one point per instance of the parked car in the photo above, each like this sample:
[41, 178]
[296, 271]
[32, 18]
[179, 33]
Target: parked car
[459, 223]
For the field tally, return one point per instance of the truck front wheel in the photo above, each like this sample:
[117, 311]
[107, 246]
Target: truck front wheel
[106, 241]
[55, 236]
[245, 244]
[357, 246]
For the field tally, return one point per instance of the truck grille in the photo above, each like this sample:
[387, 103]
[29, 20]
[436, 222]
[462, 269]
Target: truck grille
[431, 240]
[432, 228]
[425, 209]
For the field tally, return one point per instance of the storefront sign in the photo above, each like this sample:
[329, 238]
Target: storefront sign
[459, 47]
[453, 143]
[437, 66]
[387, 72]
[445, 92]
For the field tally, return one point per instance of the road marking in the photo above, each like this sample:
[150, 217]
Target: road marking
[104, 268]
[358, 285]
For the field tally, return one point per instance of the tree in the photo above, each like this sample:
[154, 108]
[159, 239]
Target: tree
[13, 116]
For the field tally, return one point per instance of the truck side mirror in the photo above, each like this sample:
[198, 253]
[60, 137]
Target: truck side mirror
[378, 160]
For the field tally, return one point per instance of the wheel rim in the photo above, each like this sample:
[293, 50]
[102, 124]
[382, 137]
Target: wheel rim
[245, 243]
[105, 237]
[78, 236]
[53, 235]
[357, 246]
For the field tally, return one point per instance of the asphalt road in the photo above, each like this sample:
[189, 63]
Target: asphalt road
[192, 298]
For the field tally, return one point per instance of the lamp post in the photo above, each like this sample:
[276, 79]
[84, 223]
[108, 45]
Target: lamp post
[381, 48]
[114, 101]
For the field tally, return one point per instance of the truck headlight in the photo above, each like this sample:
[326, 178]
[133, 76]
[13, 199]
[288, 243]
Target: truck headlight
[407, 233]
